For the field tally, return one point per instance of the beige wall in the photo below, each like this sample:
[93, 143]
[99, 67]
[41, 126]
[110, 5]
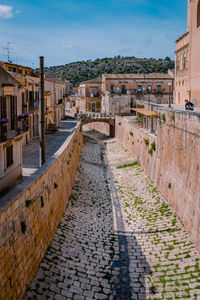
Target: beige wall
[174, 166]
[29, 221]
[187, 80]
[195, 54]
[9, 175]
[182, 70]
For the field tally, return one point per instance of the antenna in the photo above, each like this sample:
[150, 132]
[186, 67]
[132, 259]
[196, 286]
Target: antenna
[8, 50]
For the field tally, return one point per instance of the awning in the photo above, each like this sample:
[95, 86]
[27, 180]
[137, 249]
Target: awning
[145, 112]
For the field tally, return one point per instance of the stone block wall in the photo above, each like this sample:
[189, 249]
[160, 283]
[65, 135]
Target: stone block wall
[99, 126]
[173, 163]
[29, 221]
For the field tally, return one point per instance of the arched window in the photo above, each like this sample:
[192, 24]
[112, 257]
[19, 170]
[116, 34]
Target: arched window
[198, 14]
[178, 64]
[184, 61]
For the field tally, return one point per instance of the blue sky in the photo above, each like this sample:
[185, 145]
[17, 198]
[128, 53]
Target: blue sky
[70, 30]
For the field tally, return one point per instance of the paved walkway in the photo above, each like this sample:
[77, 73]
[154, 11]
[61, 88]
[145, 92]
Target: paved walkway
[53, 143]
[118, 238]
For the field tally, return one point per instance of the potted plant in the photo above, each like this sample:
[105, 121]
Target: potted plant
[26, 115]
[4, 121]
[20, 117]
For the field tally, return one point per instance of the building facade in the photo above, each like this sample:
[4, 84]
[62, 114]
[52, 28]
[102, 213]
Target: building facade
[89, 96]
[120, 92]
[19, 114]
[10, 138]
[188, 58]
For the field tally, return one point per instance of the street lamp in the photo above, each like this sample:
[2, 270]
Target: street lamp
[169, 104]
[143, 92]
[149, 92]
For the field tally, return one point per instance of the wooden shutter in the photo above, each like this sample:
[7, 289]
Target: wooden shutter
[13, 112]
[3, 107]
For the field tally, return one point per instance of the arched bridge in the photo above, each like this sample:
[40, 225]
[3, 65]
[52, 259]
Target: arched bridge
[108, 120]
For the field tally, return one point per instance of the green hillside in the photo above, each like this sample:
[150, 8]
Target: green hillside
[85, 70]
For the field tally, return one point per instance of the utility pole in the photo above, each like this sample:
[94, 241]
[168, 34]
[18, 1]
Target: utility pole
[42, 114]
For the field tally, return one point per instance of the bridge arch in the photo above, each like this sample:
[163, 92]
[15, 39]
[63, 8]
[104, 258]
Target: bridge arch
[110, 121]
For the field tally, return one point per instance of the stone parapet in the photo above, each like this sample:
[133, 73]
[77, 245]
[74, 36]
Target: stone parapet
[29, 221]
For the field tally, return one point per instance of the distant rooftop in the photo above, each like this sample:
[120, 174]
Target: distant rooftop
[13, 64]
[138, 76]
[95, 80]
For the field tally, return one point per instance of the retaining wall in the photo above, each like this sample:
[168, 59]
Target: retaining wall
[99, 126]
[29, 221]
[174, 166]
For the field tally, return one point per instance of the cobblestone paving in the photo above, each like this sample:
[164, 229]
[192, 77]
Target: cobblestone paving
[118, 239]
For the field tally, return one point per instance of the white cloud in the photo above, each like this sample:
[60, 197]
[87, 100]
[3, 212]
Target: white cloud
[67, 46]
[17, 11]
[6, 12]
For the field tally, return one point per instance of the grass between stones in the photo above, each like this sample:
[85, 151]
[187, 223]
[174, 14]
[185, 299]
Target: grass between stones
[134, 164]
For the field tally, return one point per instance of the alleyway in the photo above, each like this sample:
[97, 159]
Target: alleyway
[118, 238]
[53, 143]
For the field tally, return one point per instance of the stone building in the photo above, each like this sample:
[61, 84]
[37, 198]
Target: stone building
[56, 92]
[188, 58]
[28, 98]
[19, 114]
[120, 92]
[89, 96]
[10, 138]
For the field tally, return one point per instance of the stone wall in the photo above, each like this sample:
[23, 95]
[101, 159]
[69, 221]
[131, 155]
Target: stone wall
[173, 165]
[99, 126]
[29, 221]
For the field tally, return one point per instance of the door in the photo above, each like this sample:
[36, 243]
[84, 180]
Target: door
[93, 107]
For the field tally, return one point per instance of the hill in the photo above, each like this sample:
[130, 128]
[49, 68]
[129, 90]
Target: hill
[79, 71]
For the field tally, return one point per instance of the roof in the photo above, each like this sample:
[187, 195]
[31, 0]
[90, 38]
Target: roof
[138, 76]
[145, 112]
[95, 80]
[8, 63]
[181, 37]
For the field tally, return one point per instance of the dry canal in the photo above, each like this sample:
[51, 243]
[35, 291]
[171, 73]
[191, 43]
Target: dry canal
[118, 238]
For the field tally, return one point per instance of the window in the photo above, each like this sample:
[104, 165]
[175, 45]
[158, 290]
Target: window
[159, 88]
[149, 89]
[112, 89]
[31, 99]
[184, 62]
[198, 14]
[179, 97]
[177, 64]
[9, 155]
[93, 107]
[124, 90]
[139, 88]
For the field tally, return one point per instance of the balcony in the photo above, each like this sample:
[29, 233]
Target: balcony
[33, 106]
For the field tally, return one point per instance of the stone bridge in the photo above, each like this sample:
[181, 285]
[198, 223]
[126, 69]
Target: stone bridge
[108, 120]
